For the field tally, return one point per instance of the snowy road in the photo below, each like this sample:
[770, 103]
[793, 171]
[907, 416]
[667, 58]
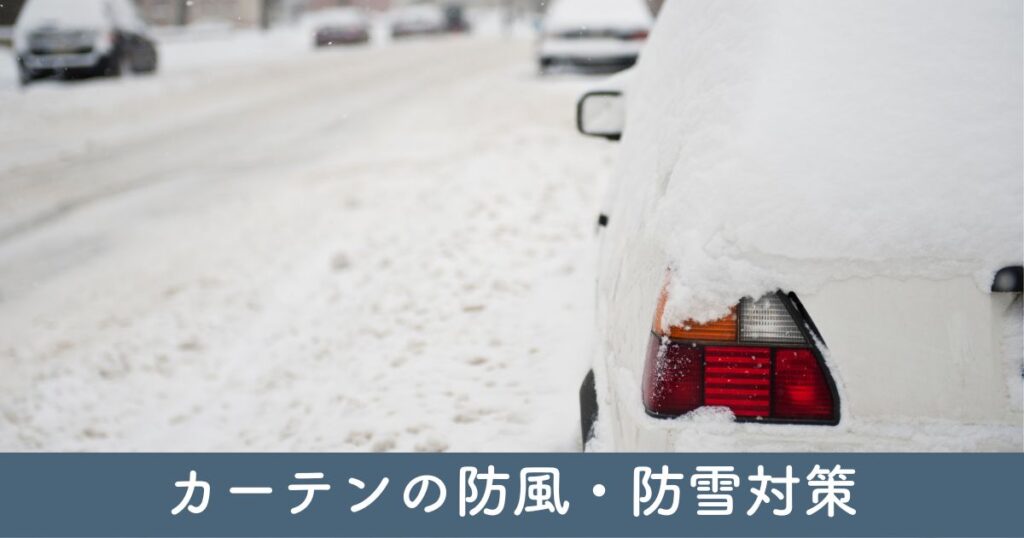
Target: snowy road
[380, 249]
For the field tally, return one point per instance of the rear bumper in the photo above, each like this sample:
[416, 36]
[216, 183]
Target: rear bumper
[713, 430]
[411, 32]
[621, 62]
[55, 62]
[590, 52]
[328, 38]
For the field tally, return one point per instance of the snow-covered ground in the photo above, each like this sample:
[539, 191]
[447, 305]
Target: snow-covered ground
[264, 247]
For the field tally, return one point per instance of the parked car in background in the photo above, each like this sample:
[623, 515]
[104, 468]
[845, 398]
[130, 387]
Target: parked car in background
[597, 34]
[814, 238]
[418, 20]
[339, 26]
[81, 37]
[455, 18]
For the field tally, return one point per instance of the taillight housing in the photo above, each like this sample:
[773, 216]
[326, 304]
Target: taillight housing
[761, 361]
[635, 35]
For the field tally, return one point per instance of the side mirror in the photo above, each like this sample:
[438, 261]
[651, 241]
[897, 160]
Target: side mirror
[601, 113]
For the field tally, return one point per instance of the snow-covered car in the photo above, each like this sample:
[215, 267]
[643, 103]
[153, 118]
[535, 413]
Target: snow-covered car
[81, 37]
[814, 235]
[338, 26]
[418, 20]
[604, 34]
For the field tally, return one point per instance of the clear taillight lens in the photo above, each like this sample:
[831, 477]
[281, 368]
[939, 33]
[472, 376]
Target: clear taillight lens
[767, 321]
[758, 361]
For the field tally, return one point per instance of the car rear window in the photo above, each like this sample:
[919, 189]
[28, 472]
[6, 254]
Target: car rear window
[63, 12]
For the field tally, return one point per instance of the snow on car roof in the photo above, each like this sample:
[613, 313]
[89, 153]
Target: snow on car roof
[574, 14]
[785, 144]
[65, 12]
[418, 13]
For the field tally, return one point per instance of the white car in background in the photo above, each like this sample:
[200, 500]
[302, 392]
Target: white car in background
[815, 232]
[66, 38]
[601, 34]
[418, 20]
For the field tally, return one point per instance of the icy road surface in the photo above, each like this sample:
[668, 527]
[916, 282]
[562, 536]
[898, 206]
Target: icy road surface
[381, 249]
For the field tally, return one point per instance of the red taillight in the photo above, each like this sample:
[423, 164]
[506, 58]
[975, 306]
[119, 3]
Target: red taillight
[801, 390]
[639, 34]
[738, 378]
[674, 378]
[754, 376]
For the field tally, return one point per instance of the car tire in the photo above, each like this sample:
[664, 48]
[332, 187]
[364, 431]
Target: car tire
[588, 407]
[25, 75]
[145, 59]
[544, 65]
[111, 66]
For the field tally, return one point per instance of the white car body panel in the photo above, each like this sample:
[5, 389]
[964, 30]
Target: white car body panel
[944, 337]
[596, 48]
[61, 61]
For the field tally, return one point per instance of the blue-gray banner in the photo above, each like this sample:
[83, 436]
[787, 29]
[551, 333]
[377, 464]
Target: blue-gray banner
[511, 495]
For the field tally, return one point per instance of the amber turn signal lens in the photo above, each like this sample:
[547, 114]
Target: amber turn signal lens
[720, 330]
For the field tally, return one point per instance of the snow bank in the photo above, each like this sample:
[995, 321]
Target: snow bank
[204, 47]
[491, 22]
[8, 70]
[794, 143]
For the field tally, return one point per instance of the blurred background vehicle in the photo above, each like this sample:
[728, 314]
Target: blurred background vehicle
[338, 26]
[455, 18]
[596, 34]
[418, 20]
[81, 37]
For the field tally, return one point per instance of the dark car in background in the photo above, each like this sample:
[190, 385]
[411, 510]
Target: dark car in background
[69, 38]
[455, 18]
[339, 26]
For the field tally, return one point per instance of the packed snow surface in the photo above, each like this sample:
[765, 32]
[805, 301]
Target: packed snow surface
[264, 247]
[794, 143]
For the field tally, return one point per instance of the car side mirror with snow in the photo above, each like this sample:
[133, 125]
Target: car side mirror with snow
[601, 113]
